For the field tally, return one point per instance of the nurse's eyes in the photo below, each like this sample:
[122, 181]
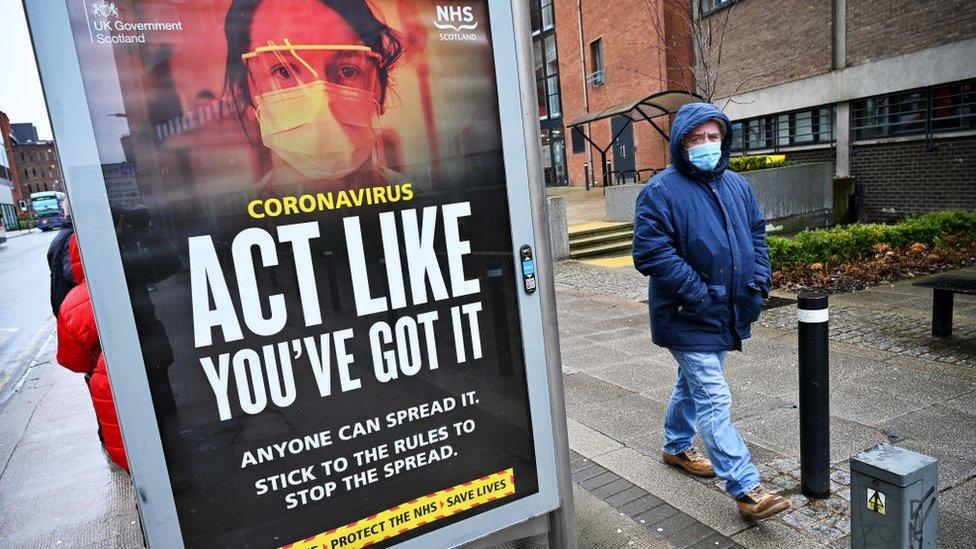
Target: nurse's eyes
[284, 73]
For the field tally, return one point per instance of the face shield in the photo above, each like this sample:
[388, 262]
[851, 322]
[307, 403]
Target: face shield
[316, 105]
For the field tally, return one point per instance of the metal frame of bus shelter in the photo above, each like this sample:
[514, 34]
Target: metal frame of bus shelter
[653, 106]
[548, 511]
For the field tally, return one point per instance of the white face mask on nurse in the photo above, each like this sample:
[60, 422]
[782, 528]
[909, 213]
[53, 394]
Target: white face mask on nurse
[316, 105]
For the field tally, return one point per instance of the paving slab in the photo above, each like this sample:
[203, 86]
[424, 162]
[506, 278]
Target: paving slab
[631, 494]
[956, 464]
[965, 403]
[854, 402]
[601, 526]
[938, 425]
[591, 356]
[960, 499]
[773, 535]
[586, 389]
[639, 345]
[587, 441]
[708, 506]
[955, 531]
[771, 378]
[573, 324]
[624, 417]
[910, 383]
[640, 375]
[57, 486]
[779, 430]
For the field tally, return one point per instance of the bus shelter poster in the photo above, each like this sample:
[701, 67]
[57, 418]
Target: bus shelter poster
[310, 203]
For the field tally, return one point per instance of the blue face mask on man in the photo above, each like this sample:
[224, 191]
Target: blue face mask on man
[705, 157]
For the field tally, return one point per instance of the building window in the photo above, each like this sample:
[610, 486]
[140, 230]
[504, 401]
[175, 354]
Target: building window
[737, 142]
[547, 76]
[597, 77]
[541, 15]
[708, 6]
[579, 142]
[937, 109]
[954, 106]
[548, 99]
[784, 130]
[759, 133]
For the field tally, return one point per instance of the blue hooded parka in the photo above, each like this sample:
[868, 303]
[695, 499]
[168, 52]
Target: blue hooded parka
[700, 237]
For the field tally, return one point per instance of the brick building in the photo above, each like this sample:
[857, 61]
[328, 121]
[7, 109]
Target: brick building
[885, 90]
[36, 165]
[591, 55]
[9, 190]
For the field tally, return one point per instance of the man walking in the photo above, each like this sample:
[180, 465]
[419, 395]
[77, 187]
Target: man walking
[699, 235]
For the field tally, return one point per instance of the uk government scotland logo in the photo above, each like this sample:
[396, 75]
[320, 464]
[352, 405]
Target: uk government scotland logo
[101, 8]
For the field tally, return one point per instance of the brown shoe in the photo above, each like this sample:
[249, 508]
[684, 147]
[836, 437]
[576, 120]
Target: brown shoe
[760, 503]
[692, 462]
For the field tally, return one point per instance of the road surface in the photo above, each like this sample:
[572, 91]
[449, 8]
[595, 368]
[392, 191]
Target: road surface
[25, 305]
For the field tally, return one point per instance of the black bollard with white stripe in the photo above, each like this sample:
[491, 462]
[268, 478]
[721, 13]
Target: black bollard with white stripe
[812, 316]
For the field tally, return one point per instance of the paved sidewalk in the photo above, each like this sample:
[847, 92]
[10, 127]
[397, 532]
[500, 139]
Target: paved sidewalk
[21, 232]
[618, 384]
[57, 488]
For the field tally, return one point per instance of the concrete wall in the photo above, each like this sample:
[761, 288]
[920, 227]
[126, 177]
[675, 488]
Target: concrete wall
[793, 191]
[622, 201]
[558, 227]
[792, 197]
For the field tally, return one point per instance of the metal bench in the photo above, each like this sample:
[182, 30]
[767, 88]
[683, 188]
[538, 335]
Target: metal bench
[943, 289]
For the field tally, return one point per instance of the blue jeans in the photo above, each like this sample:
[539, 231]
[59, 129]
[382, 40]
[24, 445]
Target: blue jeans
[701, 398]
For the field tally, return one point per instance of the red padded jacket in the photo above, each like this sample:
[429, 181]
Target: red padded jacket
[80, 351]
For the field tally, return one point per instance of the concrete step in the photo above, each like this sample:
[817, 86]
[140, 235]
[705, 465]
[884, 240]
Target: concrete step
[602, 238]
[584, 230]
[612, 248]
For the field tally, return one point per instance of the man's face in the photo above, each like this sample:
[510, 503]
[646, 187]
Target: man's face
[707, 132]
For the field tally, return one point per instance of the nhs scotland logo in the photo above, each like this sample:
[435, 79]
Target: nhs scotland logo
[458, 22]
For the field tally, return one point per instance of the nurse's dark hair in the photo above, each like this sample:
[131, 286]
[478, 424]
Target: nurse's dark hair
[374, 33]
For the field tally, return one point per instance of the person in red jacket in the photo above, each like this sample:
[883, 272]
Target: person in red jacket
[80, 351]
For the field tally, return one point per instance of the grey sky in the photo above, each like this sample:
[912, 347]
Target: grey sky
[20, 96]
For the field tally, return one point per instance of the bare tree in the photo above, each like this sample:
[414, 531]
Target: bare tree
[698, 66]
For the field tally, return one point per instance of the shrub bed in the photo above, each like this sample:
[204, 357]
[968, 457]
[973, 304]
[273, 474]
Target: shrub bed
[854, 242]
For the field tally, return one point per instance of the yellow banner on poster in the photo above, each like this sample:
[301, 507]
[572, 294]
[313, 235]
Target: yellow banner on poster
[413, 514]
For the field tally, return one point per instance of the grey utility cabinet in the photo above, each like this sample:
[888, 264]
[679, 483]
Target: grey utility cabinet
[894, 498]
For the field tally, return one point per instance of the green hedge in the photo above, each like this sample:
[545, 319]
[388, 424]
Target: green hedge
[756, 162]
[845, 244]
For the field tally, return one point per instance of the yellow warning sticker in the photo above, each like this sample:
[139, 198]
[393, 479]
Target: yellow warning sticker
[876, 501]
[413, 514]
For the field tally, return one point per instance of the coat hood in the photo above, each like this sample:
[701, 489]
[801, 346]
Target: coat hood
[76, 269]
[688, 118]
